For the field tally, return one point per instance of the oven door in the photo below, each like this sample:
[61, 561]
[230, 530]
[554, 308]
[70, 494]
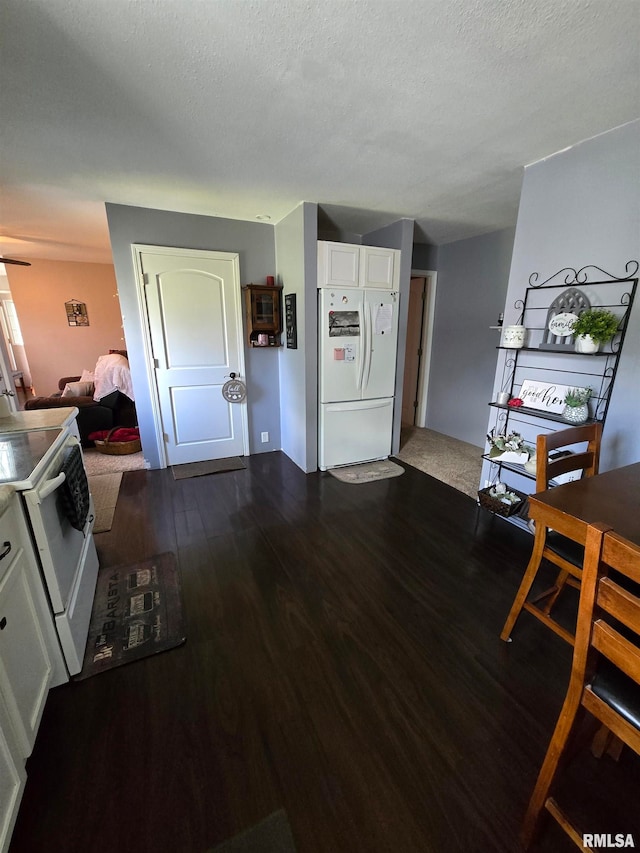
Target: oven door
[67, 556]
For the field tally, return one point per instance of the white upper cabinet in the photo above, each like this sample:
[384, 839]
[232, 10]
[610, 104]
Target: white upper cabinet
[347, 265]
[379, 268]
[338, 265]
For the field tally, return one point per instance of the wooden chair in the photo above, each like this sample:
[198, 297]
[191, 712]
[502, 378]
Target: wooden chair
[605, 675]
[563, 552]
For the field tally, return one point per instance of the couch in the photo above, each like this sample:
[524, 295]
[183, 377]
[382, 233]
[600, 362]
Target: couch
[111, 410]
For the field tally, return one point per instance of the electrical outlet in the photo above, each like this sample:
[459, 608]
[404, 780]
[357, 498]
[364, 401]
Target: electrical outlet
[264, 437]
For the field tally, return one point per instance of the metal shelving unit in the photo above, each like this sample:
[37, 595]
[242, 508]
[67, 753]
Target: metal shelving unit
[559, 362]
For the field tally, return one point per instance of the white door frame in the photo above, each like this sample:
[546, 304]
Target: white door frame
[426, 342]
[139, 249]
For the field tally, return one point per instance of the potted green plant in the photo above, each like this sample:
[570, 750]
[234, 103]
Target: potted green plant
[576, 405]
[593, 327]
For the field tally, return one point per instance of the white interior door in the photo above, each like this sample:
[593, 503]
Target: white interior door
[193, 306]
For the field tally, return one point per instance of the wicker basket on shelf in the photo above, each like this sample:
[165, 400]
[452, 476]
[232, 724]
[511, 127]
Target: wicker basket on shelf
[498, 506]
[117, 448]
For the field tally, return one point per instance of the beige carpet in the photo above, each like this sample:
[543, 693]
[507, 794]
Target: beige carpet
[102, 463]
[367, 472]
[104, 489]
[454, 462]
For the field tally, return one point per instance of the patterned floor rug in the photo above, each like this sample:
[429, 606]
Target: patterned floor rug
[137, 612]
[367, 472]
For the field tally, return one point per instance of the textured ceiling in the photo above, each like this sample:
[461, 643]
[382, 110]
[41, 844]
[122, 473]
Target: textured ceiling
[376, 109]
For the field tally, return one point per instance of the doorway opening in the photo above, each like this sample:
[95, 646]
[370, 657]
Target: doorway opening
[417, 361]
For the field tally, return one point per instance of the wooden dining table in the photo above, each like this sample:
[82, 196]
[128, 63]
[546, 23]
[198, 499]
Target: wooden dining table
[612, 498]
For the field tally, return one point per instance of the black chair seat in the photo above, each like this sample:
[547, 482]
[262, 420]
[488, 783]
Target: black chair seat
[619, 691]
[567, 548]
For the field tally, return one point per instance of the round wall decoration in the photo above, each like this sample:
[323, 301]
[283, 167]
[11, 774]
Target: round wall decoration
[234, 390]
[562, 324]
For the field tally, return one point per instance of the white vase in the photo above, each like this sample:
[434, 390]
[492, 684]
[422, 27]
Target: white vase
[586, 344]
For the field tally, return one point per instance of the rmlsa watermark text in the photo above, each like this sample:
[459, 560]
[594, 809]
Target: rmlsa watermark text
[590, 840]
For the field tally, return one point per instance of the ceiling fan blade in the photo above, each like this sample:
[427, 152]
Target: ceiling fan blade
[12, 261]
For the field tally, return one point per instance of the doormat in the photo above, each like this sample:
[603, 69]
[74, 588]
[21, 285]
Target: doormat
[367, 472]
[271, 835]
[211, 466]
[137, 612]
[104, 489]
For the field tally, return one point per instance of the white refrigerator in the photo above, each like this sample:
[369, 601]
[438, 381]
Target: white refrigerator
[357, 339]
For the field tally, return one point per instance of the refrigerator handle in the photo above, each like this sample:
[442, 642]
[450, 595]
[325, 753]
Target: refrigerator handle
[362, 320]
[369, 327]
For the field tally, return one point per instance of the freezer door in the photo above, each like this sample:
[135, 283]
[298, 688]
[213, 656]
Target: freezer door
[354, 432]
[380, 344]
[340, 338]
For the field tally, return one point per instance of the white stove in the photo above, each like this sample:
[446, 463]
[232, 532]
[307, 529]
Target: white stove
[32, 463]
[24, 455]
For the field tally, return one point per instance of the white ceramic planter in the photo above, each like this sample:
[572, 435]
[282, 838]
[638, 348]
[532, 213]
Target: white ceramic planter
[515, 456]
[576, 414]
[586, 344]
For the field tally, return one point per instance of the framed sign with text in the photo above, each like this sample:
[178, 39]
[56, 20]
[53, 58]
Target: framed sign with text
[545, 396]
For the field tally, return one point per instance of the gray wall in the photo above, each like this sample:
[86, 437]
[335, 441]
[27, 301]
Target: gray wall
[399, 235]
[581, 207]
[425, 257]
[472, 283]
[296, 251]
[254, 243]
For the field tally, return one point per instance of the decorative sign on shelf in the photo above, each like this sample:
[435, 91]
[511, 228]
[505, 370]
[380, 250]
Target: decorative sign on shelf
[560, 317]
[562, 324]
[544, 396]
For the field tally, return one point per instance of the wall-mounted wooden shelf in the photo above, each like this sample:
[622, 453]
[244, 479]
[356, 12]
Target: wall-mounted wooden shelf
[263, 311]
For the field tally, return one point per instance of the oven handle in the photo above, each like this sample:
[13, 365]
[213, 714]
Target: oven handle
[50, 486]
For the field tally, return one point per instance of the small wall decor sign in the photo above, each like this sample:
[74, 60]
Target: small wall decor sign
[234, 390]
[545, 396]
[563, 311]
[562, 324]
[76, 313]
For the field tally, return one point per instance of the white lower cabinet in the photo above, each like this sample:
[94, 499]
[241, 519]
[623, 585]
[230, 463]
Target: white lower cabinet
[13, 777]
[29, 655]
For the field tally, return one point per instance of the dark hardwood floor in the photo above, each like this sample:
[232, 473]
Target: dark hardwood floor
[342, 662]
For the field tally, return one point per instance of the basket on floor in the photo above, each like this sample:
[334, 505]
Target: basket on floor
[499, 507]
[117, 448]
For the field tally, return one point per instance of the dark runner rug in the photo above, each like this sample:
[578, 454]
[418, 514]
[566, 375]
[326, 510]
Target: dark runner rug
[271, 835]
[137, 612]
[211, 466]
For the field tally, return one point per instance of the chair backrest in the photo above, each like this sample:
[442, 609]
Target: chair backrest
[609, 620]
[587, 460]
